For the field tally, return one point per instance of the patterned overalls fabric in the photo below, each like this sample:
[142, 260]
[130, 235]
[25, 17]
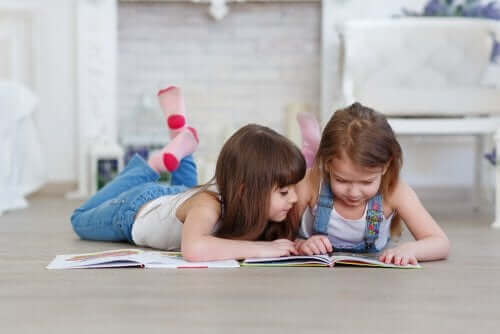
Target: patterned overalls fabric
[374, 217]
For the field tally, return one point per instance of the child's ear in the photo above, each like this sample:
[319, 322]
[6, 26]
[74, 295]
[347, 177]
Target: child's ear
[326, 165]
[386, 167]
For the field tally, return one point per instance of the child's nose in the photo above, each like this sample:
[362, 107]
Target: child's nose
[353, 191]
[292, 196]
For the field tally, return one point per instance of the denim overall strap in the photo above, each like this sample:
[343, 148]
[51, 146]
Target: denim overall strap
[324, 207]
[374, 217]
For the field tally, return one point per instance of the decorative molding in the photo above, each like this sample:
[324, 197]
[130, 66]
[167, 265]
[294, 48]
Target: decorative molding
[329, 59]
[218, 8]
[17, 5]
[96, 40]
[9, 45]
[229, 1]
[19, 33]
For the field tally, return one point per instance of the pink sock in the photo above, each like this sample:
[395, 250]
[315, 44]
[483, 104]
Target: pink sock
[155, 161]
[182, 145]
[311, 135]
[172, 104]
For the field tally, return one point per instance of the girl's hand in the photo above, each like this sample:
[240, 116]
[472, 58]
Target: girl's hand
[317, 244]
[298, 243]
[401, 255]
[276, 248]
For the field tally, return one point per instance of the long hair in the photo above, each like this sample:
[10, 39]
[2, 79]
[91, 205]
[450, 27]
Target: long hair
[252, 162]
[366, 137]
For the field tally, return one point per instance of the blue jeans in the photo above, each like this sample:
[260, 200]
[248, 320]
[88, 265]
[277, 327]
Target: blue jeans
[110, 213]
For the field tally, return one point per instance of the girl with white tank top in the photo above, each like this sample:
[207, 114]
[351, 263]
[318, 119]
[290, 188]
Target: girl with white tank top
[248, 210]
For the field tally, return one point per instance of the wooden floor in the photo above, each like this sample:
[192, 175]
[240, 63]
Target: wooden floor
[459, 295]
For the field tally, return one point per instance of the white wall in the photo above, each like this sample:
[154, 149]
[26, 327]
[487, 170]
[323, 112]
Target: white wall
[56, 86]
[50, 72]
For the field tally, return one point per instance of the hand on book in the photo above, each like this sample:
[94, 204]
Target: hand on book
[280, 247]
[315, 245]
[401, 255]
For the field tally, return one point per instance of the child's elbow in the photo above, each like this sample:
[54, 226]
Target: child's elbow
[193, 252]
[446, 247]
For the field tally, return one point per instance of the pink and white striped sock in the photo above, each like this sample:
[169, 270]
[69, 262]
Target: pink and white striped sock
[155, 161]
[311, 135]
[168, 158]
[185, 143]
[174, 110]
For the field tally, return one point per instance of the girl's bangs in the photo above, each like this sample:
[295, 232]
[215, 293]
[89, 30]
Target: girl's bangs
[289, 168]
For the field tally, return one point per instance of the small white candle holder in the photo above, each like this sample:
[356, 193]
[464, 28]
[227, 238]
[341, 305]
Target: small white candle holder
[106, 161]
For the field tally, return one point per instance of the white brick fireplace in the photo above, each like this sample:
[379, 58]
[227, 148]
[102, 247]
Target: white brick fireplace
[248, 66]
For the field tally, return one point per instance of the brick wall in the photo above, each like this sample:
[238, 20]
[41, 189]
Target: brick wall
[244, 68]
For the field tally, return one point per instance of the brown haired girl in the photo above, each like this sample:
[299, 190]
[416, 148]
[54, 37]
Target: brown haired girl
[248, 210]
[354, 199]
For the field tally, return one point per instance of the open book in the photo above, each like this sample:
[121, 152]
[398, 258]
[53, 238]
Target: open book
[354, 259]
[132, 258]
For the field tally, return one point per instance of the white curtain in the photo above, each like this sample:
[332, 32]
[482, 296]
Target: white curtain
[22, 166]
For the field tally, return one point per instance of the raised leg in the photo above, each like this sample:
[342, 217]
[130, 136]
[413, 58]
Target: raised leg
[135, 173]
[108, 215]
[172, 104]
[186, 174]
[311, 135]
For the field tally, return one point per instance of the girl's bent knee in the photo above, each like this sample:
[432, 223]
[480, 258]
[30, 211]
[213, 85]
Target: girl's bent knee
[75, 219]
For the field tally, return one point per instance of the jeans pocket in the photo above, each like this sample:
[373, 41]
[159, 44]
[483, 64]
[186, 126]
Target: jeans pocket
[117, 201]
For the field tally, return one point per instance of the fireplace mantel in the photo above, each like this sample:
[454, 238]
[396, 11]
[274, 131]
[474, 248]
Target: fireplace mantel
[218, 8]
[229, 1]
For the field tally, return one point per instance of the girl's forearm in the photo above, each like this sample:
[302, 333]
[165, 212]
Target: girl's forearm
[432, 248]
[211, 248]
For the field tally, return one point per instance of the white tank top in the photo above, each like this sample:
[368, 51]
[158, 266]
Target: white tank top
[346, 233]
[156, 224]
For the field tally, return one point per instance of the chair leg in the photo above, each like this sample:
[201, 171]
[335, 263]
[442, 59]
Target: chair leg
[478, 173]
[496, 221]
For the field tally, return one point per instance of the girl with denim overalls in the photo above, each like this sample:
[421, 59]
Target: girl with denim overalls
[247, 210]
[353, 199]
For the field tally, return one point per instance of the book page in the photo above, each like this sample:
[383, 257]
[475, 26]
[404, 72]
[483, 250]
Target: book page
[111, 258]
[365, 259]
[175, 260]
[295, 260]
[354, 259]
[133, 258]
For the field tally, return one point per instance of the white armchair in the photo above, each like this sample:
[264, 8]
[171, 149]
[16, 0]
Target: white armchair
[426, 75]
[23, 169]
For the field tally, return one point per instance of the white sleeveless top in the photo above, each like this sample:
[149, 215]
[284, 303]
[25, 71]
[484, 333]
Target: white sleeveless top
[346, 233]
[156, 224]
